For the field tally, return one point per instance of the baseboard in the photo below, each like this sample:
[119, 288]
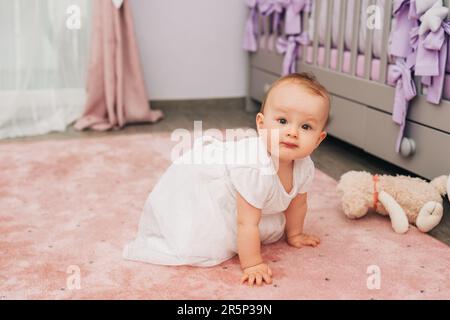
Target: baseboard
[218, 104]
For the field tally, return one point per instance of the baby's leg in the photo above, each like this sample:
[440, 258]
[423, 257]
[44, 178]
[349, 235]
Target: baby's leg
[271, 227]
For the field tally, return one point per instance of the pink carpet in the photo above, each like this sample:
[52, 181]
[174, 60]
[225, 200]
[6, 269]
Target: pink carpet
[77, 202]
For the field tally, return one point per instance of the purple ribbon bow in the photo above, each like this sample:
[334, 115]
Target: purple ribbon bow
[269, 7]
[293, 18]
[405, 91]
[290, 48]
[432, 59]
[251, 27]
[399, 43]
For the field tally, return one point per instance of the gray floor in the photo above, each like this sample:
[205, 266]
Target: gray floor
[333, 157]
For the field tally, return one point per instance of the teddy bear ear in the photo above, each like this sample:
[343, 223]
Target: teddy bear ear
[441, 184]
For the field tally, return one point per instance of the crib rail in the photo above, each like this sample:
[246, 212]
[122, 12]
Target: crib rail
[387, 23]
[356, 26]
[356, 20]
[357, 69]
[355, 84]
[268, 37]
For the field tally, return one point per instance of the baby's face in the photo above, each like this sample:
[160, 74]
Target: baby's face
[298, 115]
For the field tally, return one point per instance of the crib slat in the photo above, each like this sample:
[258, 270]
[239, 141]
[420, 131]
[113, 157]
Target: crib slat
[369, 39]
[385, 39]
[342, 30]
[445, 80]
[263, 32]
[330, 17]
[355, 37]
[418, 83]
[305, 28]
[281, 30]
[268, 34]
[260, 30]
[316, 30]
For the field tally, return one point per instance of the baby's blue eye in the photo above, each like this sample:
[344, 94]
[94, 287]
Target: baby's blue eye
[306, 127]
[282, 121]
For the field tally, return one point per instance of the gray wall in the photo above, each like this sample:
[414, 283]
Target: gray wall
[192, 49]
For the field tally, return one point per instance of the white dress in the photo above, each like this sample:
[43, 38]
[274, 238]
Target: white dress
[189, 217]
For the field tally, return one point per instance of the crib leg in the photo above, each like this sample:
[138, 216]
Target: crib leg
[251, 105]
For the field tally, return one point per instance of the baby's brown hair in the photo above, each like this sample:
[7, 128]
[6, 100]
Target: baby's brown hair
[304, 79]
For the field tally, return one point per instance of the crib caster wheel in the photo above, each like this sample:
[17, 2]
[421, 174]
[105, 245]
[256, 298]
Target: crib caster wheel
[408, 147]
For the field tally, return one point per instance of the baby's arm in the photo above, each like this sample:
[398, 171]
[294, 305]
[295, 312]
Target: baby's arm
[249, 244]
[295, 218]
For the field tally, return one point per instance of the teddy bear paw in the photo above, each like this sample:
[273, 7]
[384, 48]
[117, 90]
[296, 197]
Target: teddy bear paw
[429, 216]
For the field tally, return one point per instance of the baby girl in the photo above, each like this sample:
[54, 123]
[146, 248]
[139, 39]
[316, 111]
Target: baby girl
[204, 214]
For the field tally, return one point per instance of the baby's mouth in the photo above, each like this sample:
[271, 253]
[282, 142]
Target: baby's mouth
[289, 145]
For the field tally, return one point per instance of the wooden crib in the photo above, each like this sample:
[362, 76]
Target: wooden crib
[354, 67]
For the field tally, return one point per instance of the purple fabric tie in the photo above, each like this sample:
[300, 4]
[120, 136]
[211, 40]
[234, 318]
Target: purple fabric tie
[413, 10]
[430, 44]
[405, 91]
[431, 61]
[399, 44]
[293, 18]
[289, 47]
[269, 7]
[251, 26]
[414, 44]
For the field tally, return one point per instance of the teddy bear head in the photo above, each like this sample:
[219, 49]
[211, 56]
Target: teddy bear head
[356, 191]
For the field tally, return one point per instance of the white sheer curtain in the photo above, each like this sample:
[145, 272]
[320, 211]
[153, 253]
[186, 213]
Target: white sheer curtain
[43, 64]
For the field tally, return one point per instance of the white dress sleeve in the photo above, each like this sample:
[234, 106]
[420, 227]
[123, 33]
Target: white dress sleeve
[305, 174]
[252, 184]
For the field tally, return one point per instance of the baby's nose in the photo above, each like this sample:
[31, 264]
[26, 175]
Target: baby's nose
[292, 132]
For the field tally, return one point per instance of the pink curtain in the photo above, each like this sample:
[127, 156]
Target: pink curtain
[116, 93]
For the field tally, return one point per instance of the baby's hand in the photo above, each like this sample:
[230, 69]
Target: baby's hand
[303, 239]
[257, 274]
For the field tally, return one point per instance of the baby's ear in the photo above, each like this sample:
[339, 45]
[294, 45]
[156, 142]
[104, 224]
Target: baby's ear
[259, 120]
[322, 137]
